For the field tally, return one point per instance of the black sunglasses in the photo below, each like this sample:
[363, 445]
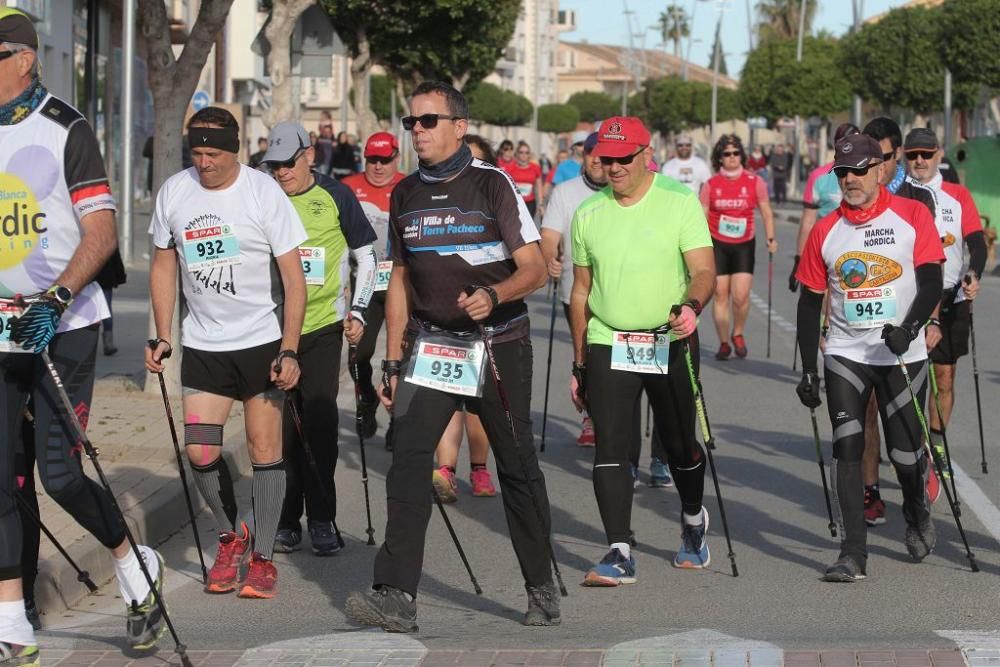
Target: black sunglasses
[287, 164]
[888, 156]
[913, 155]
[378, 159]
[7, 54]
[428, 121]
[842, 172]
[607, 161]
[731, 153]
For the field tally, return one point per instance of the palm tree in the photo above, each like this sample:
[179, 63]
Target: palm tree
[779, 19]
[674, 27]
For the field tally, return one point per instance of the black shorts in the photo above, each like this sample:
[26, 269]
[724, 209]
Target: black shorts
[733, 258]
[236, 374]
[954, 334]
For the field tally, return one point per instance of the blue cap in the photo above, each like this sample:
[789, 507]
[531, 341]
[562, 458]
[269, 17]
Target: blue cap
[590, 142]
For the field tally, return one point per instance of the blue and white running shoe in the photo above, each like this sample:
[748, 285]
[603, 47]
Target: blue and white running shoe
[614, 569]
[693, 554]
[659, 474]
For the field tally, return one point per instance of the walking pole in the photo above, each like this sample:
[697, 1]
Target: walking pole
[706, 431]
[649, 416]
[822, 473]
[81, 575]
[795, 351]
[770, 283]
[454, 538]
[975, 379]
[180, 463]
[937, 464]
[944, 437]
[548, 368]
[488, 341]
[293, 410]
[352, 365]
[92, 453]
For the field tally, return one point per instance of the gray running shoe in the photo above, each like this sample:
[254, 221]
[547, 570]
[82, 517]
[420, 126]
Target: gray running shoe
[324, 538]
[144, 623]
[920, 539]
[385, 607]
[845, 571]
[287, 540]
[543, 605]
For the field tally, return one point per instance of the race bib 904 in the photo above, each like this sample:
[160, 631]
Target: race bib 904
[870, 308]
[640, 352]
[731, 227]
[207, 247]
[448, 365]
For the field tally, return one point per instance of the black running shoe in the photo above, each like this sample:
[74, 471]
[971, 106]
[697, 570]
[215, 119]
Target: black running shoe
[543, 605]
[920, 539]
[366, 422]
[845, 571]
[385, 607]
[144, 625]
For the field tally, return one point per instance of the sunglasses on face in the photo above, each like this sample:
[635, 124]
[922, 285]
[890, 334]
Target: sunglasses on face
[428, 121]
[911, 156]
[731, 153]
[683, 145]
[376, 159]
[888, 156]
[287, 164]
[608, 161]
[6, 54]
[842, 172]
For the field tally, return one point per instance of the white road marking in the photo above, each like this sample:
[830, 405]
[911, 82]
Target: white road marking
[971, 496]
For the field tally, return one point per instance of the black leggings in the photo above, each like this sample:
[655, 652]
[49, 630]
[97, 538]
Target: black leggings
[316, 399]
[612, 396]
[420, 416]
[849, 385]
[374, 317]
[30, 530]
[59, 451]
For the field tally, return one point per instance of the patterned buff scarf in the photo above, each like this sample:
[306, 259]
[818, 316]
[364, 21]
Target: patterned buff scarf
[21, 106]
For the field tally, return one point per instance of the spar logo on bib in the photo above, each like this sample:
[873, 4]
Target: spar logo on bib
[866, 269]
[21, 220]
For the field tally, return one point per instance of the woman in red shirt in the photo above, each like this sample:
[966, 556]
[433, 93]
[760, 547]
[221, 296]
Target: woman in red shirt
[730, 198]
[527, 175]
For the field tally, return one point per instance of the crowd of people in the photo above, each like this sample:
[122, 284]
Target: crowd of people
[280, 262]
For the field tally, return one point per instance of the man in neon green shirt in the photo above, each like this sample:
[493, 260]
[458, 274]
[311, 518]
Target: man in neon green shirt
[643, 263]
[336, 227]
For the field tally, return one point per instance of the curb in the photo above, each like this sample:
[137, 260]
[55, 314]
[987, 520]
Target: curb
[152, 521]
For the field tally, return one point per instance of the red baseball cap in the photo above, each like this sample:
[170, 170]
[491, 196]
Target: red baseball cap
[621, 136]
[381, 144]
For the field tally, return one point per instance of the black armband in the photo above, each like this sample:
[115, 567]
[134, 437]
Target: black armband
[391, 367]
[807, 327]
[930, 284]
[976, 242]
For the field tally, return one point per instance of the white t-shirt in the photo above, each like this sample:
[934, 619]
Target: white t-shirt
[226, 242]
[563, 202]
[692, 172]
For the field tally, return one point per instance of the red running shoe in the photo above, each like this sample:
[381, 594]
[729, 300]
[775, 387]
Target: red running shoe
[874, 509]
[225, 573]
[587, 437]
[724, 351]
[261, 580]
[741, 346]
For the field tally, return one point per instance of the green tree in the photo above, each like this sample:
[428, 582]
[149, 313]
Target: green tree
[779, 19]
[674, 26]
[973, 57]
[773, 84]
[489, 104]
[557, 118]
[895, 62]
[382, 97]
[594, 106]
[672, 105]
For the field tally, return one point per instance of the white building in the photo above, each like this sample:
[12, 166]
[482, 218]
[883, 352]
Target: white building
[527, 66]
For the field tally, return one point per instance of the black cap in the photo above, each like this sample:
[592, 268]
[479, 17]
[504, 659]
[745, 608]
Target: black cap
[17, 28]
[844, 130]
[921, 138]
[857, 151]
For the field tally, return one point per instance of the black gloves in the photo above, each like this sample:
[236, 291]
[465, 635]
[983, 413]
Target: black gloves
[808, 390]
[793, 283]
[898, 339]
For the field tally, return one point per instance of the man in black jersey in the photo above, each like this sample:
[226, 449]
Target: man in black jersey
[457, 222]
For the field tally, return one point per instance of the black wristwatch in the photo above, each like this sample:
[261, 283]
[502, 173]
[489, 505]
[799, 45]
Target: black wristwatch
[695, 305]
[291, 354]
[494, 299]
[391, 367]
[935, 321]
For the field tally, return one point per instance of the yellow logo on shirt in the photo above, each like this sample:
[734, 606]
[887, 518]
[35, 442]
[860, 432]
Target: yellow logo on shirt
[948, 240]
[21, 221]
[865, 269]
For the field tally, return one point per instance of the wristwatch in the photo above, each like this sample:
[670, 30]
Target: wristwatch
[62, 295]
[695, 305]
[391, 367]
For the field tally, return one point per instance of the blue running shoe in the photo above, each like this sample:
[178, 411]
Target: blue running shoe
[693, 554]
[614, 569]
[659, 475]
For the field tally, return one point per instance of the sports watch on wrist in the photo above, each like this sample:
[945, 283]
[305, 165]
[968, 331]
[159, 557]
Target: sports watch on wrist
[60, 294]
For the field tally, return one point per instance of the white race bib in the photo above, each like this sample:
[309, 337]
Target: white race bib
[870, 308]
[313, 264]
[734, 228]
[447, 364]
[640, 352]
[382, 274]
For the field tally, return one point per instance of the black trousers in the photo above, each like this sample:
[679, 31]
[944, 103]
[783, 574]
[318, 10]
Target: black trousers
[374, 317]
[58, 449]
[612, 396]
[420, 416]
[30, 530]
[316, 399]
[849, 385]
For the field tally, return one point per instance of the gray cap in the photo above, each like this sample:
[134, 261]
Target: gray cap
[683, 138]
[857, 151]
[579, 137]
[921, 138]
[285, 141]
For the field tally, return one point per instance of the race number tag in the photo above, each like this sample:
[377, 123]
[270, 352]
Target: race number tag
[447, 364]
[313, 264]
[8, 311]
[382, 274]
[640, 352]
[525, 189]
[731, 227]
[208, 247]
[869, 308]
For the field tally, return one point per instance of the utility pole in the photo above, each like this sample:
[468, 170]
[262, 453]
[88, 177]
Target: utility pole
[749, 28]
[716, 57]
[947, 109]
[798, 119]
[128, 114]
[687, 58]
[858, 17]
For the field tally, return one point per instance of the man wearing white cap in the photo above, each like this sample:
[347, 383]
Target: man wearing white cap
[686, 167]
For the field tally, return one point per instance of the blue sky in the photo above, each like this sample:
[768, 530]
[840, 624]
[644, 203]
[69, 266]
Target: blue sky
[604, 22]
